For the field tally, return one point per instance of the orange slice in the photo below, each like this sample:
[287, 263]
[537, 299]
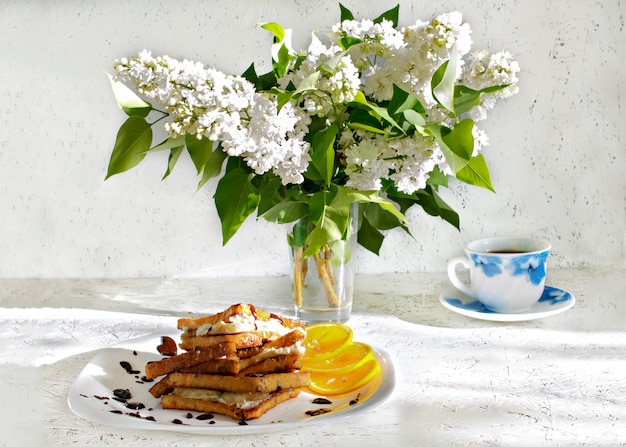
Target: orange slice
[349, 356]
[322, 339]
[332, 383]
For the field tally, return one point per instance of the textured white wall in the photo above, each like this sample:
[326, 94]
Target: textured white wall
[557, 149]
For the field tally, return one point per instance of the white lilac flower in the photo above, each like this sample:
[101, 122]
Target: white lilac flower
[414, 162]
[427, 45]
[480, 140]
[340, 86]
[440, 161]
[487, 70]
[437, 38]
[365, 165]
[379, 40]
[406, 161]
[207, 103]
[490, 70]
[272, 140]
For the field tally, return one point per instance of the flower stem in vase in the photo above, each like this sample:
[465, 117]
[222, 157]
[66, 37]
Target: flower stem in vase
[298, 277]
[329, 268]
[325, 279]
[305, 269]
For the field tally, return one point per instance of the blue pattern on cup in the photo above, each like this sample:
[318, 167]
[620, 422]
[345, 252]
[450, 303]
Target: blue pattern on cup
[534, 266]
[490, 265]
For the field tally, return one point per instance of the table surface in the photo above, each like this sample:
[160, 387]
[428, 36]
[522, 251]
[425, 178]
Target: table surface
[459, 381]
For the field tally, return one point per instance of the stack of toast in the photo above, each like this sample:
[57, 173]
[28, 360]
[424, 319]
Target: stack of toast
[241, 362]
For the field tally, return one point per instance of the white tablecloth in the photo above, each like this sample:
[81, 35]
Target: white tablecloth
[460, 381]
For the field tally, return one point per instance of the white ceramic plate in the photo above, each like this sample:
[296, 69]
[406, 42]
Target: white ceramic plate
[91, 396]
[553, 301]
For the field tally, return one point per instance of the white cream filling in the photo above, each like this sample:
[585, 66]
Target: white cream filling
[268, 353]
[242, 323]
[239, 400]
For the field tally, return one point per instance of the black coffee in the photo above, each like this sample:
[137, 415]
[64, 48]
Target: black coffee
[505, 252]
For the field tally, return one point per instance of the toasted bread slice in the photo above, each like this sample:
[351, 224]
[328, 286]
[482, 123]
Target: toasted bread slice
[188, 359]
[283, 341]
[281, 363]
[241, 340]
[161, 387]
[240, 383]
[237, 318]
[185, 324]
[227, 366]
[266, 403]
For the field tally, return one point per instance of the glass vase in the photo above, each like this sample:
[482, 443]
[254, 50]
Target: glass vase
[323, 282]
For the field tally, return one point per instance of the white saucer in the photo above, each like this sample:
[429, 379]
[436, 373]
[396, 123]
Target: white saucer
[553, 301]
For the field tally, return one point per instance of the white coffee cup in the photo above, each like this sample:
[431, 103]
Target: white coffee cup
[507, 275]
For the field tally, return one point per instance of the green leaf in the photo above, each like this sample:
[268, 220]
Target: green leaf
[443, 82]
[286, 211]
[427, 198]
[391, 15]
[361, 118]
[275, 28]
[283, 58]
[235, 199]
[342, 252]
[317, 206]
[414, 118]
[173, 158]
[307, 84]
[376, 111]
[360, 98]
[312, 173]
[250, 74]
[476, 173]
[127, 100]
[263, 82]
[323, 153]
[300, 232]
[331, 227]
[168, 144]
[199, 150]
[403, 100]
[434, 205]
[282, 52]
[437, 178]
[346, 196]
[367, 128]
[455, 161]
[457, 144]
[133, 140]
[369, 237]
[465, 99]
[461, 138]
[379, 217]
[347, 42]
[329, 67]
[213, 166]
[346, 14]
[270, 194]
[282, 97]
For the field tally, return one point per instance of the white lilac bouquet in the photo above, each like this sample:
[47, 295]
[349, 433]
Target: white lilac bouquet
[369, 114]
